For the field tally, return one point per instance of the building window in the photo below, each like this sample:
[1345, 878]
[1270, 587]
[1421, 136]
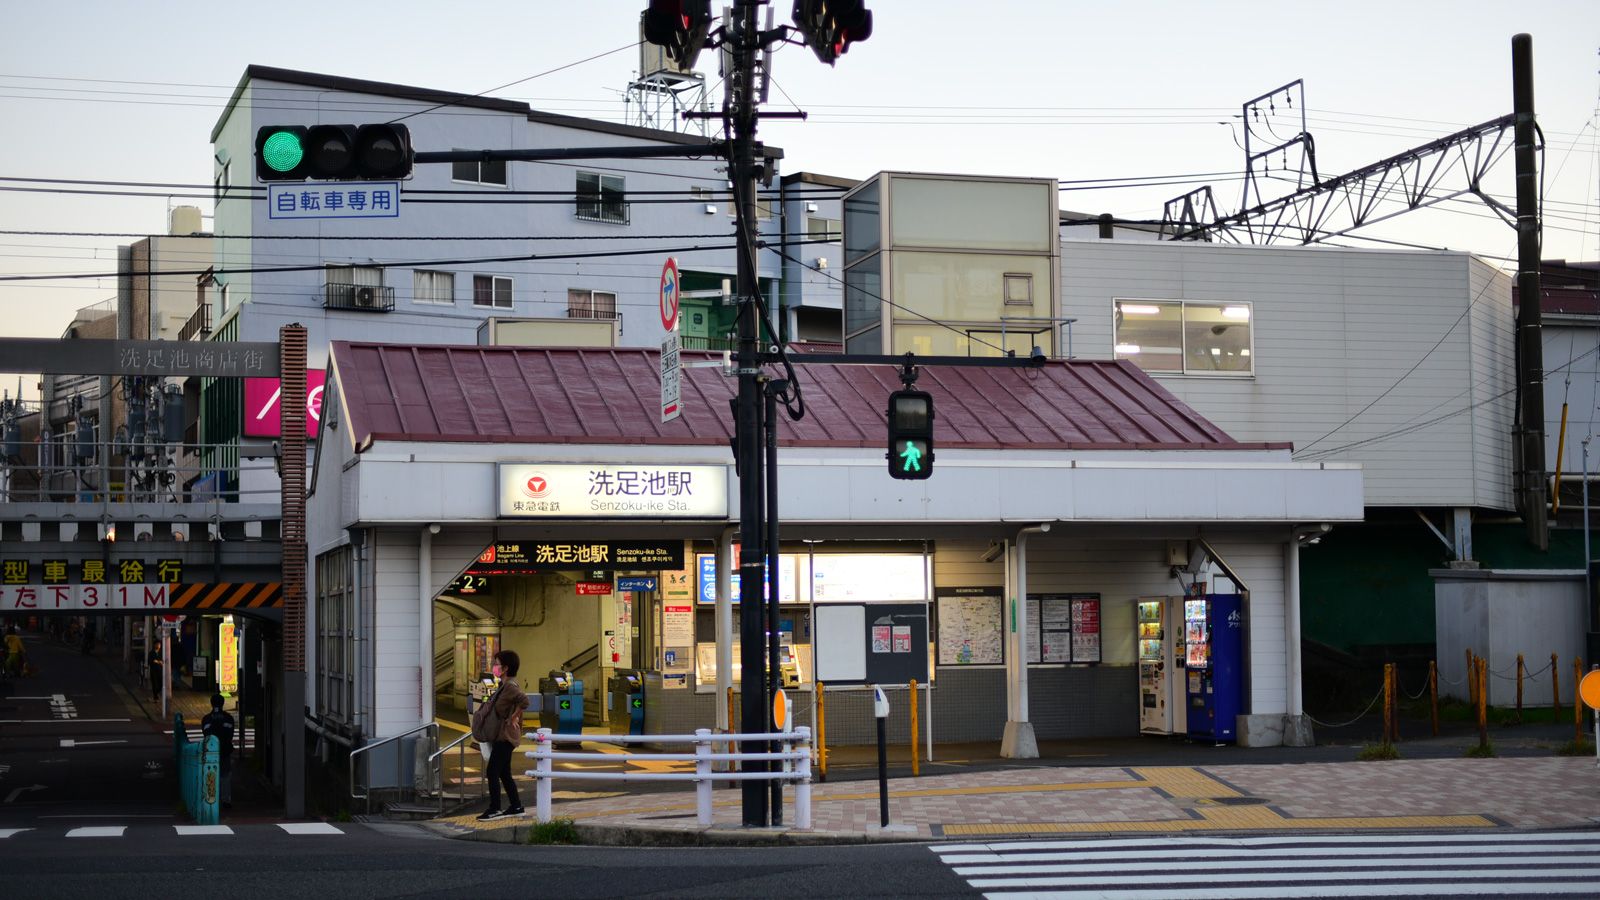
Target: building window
[1185, 337]
[821, 229]
[763, 205]
[704, 198]
[601, 198]
[591, 305]
[491, 291]
[433, 287]
[479, 172]
[1018, 288]
[222, 300]
[335, 639]
[224, 181]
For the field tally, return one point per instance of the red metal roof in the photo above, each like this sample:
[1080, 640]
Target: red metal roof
[538, 395]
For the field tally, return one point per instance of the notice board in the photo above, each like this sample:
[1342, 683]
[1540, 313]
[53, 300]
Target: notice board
[1068, 629]
[971, 626]
[871, 643]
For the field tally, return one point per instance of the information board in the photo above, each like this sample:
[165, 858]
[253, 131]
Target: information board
[872, 643]
[971, 626]
[1086, 628]
[1068, 628]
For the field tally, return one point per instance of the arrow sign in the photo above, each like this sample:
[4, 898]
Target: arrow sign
[12, 797]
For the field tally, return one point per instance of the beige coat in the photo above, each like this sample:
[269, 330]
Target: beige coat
[509, 706]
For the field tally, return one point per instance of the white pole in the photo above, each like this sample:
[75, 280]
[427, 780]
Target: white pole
[702, 768]
[724, 622]
[802, 787]
[425, 621]
[1588, 589]
[1291, 625]
[541, 768]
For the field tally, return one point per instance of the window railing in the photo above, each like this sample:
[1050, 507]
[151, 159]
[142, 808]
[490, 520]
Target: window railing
[361, 297]
[603, 315]
[199, 324]
[593, 210]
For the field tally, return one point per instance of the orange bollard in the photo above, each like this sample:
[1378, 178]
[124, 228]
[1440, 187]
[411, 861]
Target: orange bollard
[916, 766]
[1483, 702]
[1577, 707]
[1472, 679]
[1388, 700]
[822, 734]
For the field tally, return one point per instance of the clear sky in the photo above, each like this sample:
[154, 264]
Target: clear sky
[118, 91]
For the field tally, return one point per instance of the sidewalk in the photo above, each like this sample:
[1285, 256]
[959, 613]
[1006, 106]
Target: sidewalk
[1212, 790]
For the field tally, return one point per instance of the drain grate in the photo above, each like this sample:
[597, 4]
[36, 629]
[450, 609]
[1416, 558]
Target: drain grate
[1239, 801]
[679, 816]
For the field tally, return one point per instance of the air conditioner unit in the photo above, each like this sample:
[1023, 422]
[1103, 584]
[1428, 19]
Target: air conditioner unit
[366, 297]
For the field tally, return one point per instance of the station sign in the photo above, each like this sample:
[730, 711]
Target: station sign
[508, 558]
[636, 584]
[594, 588]
[612, 491]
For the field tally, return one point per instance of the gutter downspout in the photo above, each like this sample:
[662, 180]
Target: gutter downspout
[1296, 725]
[425, 619]
[1018, 742]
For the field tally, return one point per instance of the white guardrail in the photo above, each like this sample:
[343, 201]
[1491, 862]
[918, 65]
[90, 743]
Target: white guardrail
[795, 757]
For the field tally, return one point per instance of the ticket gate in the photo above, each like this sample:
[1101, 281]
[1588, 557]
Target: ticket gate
[561, 703]
[626, 696]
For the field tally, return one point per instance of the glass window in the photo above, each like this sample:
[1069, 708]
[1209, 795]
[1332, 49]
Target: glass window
[591, 304]
[601, 198]
[957, 214]
[491, 291]
[861, 223]
[479, 172]
[1018, 288]
[822, 229]
[433, 287]
[1185, 337]
[863, 293]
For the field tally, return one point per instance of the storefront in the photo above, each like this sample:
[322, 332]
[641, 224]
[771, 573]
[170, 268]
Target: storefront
[479, 498]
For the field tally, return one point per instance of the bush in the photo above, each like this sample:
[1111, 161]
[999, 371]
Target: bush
[555, 831]
[1580, 747]
[1481, 751]
[1377, 752]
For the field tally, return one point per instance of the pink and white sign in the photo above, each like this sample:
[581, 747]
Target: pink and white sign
[261, 404]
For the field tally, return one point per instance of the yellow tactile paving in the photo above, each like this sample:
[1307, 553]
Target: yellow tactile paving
[990, 789]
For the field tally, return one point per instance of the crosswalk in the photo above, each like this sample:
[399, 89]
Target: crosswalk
[118, 831]
[1520, 864]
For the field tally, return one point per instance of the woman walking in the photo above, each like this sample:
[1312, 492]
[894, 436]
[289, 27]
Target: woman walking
[506, 707]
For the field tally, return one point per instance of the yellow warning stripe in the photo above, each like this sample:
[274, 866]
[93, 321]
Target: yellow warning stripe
[227, 595]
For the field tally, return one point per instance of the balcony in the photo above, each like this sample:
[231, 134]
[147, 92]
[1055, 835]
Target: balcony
[358, 297]
[199, 324]
[593, 209]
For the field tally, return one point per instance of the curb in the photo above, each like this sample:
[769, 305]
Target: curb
[712, 836]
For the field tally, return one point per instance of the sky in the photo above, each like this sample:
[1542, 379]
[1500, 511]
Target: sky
[112, 91]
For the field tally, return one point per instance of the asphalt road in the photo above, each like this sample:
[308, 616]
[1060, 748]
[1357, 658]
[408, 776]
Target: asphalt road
[406, 861]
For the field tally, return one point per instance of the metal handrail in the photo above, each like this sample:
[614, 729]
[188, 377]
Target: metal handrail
[795, 756]
[459, 745]
[393, 739]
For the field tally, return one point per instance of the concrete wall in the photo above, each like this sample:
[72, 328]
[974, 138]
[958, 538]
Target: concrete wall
[1499, 614]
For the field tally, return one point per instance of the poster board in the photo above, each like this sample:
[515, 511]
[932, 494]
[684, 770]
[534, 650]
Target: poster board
[971, 626]
[871, 643]
[1068, 630]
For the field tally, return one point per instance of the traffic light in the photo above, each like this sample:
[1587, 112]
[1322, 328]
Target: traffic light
[680, 26]
[910, 434]
[831, 26]
[333, 152]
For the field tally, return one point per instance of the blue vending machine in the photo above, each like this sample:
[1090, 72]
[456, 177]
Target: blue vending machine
[1213, 649]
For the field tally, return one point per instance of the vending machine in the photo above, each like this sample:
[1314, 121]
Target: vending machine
[1157, 665]
[1213, 640]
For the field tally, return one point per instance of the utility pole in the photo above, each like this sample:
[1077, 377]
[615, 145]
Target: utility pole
[1530, 338]
[739, 108]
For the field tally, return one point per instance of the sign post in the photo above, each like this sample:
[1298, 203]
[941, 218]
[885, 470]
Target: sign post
[1589, 691]
[671, 369]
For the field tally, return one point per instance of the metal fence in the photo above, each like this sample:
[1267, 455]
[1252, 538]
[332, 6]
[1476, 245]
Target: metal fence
[60, 469]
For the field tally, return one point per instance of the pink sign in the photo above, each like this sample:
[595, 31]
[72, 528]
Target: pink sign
[261, 404]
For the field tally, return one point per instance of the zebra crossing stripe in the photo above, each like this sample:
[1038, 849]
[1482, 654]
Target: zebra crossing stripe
[202, 829]
[1350, 865]
[8, 832]
[98, 831]
[309, 828]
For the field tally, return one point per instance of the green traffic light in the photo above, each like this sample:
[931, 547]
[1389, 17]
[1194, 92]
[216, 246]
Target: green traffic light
[282, 151]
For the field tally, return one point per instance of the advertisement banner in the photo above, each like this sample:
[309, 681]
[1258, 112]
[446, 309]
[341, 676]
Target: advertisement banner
[261, 404]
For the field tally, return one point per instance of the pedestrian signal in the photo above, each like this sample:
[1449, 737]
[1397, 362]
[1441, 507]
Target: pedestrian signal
[910, 435]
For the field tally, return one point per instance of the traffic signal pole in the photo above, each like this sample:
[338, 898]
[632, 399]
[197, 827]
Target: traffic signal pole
[739, 108]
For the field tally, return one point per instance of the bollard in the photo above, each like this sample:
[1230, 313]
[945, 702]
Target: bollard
[1433, 693]
[1394, 700]
[822, 733]
[916, 768]
[1483, 704]
[1555, 688]
[1577, 705]
[732, 712]
[1388, 700]
[1472, 679]
[802, 786]
[1519, 688]
[541, 767]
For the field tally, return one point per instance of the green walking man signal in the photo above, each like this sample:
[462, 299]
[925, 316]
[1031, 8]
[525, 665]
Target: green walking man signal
[910, 434]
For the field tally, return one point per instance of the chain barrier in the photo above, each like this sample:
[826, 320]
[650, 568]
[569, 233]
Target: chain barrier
[1525, 674]
[1375, 698]
[1420, 691]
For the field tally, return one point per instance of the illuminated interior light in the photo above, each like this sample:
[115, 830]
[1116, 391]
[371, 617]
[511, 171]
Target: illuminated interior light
[1127, 348]
[1241, 313]
[1139, 309]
